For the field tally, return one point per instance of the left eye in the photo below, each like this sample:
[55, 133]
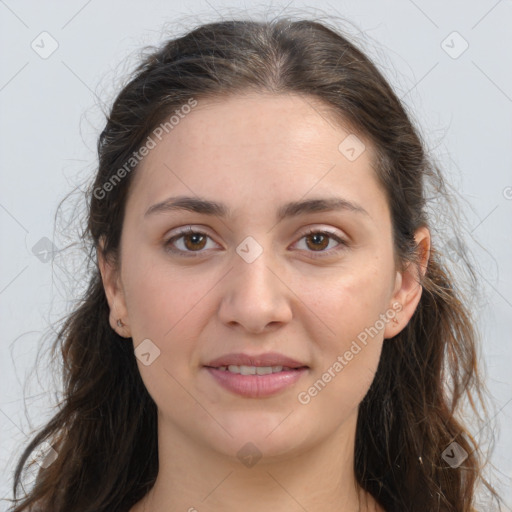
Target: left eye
[194, 241]
[319, 240]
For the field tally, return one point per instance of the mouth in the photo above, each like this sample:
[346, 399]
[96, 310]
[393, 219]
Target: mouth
[255, 370]
[251, 381]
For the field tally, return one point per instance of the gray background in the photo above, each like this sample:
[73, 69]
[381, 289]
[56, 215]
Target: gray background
[51, 117]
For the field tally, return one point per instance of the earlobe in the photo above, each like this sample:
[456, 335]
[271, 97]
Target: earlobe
[408, 288]
[114, 293]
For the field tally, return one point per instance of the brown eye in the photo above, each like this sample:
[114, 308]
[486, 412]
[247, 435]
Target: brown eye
[317, 241]
[191, 242]
[194, 241]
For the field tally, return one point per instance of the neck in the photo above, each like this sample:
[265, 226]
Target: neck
[195, 478]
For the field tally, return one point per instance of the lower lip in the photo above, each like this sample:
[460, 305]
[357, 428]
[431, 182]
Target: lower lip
[256, 386]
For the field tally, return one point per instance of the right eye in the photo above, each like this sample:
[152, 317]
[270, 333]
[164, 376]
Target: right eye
[189, 239]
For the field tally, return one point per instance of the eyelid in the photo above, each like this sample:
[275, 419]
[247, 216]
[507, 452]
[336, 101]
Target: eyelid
[342, 241]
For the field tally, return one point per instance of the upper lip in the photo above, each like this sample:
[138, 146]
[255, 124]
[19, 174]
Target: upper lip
[268, 359]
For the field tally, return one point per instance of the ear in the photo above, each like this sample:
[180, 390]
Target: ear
[114, 293]
[408, 288]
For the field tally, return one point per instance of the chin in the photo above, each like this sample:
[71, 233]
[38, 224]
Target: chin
[262, 435]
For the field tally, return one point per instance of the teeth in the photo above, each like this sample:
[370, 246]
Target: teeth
[254, 370]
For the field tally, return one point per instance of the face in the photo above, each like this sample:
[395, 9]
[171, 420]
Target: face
[317, 286]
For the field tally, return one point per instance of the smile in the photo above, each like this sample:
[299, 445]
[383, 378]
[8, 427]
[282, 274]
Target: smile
[254, 370]
[255, 381]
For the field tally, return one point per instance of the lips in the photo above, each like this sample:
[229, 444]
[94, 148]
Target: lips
[267, 359]
[256, 376]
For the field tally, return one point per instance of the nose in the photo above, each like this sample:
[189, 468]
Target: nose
[255, 295]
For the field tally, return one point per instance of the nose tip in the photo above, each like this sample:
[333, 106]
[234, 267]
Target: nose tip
[255, 297]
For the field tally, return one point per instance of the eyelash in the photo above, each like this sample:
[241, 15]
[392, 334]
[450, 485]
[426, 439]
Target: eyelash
[315, 254]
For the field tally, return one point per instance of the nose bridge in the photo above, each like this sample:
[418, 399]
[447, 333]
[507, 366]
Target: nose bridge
[255, 295]
[252, 262]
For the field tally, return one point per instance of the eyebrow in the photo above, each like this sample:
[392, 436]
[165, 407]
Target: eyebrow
[288, 210]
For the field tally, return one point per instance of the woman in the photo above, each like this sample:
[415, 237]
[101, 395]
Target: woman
[269, 325]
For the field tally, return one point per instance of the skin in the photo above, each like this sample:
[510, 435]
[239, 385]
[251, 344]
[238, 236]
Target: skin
[256, 152]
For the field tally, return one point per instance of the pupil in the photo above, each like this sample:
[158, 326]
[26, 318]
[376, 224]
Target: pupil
[194, 239]
[315, 237]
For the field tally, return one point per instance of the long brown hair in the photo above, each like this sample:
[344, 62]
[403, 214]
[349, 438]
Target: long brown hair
[105, 432]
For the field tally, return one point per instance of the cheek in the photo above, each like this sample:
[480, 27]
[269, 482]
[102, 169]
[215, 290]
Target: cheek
[161, 299]
[347, 327]
[165, 307]
[347, 302]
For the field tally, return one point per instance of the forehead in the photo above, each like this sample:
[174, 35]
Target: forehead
[270, 145]
[253, 122]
